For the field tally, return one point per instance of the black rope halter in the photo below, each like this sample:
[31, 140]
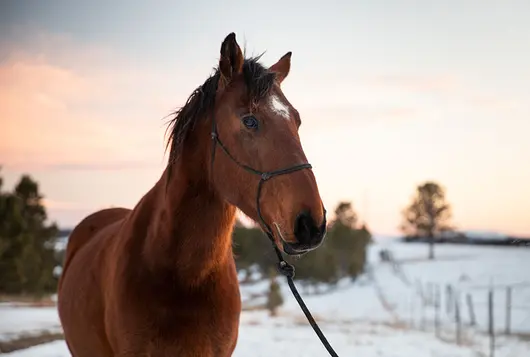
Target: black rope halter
[285, 268]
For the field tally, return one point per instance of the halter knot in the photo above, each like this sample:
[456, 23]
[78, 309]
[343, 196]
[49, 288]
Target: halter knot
[265, 176]
[286, 269]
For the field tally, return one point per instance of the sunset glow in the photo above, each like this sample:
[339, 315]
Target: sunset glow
[389, 97]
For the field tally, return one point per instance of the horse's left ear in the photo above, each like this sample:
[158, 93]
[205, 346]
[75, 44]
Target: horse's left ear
[231, 61]
[282, 67]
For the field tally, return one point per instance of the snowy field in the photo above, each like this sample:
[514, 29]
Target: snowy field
[17, 321]
[469, 270]
[378, 315]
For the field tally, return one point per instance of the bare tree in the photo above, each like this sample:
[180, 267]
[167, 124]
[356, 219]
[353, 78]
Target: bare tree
[428, 214]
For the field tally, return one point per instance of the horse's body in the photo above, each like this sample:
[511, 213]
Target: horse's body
[121, 301]
[160, 280]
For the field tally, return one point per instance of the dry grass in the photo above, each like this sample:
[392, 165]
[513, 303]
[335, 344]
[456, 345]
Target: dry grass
[29, 341]
[522, 336]
[27, 300]
[253, 308]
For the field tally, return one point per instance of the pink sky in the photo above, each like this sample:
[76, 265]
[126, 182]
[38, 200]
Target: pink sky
[86, 120]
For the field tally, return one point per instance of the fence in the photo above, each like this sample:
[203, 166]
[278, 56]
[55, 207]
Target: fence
[453, 310]
[456, 312]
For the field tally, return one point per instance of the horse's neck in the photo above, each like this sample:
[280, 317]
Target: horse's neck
[189, 230]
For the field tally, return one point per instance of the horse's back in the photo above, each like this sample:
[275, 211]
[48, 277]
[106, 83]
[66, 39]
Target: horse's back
[89, 227]
[80, 302]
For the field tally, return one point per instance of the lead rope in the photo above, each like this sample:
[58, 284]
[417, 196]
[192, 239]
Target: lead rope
[288, 271]
[285, 268]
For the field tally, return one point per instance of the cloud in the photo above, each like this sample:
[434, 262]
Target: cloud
[356, 114]
[453, 88]
[491, 102]
[418, 83]
[71, 212]
[64, 205]
[64, 104]
[102, 165]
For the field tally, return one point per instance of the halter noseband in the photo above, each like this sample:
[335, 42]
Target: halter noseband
[285, 268]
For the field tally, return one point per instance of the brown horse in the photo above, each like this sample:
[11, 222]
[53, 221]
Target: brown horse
[160, 280]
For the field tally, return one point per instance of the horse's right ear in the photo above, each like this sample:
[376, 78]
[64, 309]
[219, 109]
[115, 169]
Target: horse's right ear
[231, 61]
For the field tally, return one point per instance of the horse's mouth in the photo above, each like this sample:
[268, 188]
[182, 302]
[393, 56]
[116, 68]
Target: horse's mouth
[285, 245]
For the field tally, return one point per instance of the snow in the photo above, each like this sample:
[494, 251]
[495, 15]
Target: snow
[16, 321]
[380, 314]
[60, 242]
[470, 270]
[262, 336]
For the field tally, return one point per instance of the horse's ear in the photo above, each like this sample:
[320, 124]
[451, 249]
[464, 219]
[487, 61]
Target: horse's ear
[231, 61]
[282, 67]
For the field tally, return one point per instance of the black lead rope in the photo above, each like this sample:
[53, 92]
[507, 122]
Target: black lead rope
[285, 268]
[288, 271]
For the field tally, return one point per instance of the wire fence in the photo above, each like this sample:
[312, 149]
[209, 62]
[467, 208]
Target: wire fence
[454, 312]
[459, 306]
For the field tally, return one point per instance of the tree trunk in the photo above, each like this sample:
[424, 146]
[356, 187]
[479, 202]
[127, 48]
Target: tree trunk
[431, 247]
[432, 224]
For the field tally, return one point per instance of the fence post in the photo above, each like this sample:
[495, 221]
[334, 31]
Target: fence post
[431, 293]
[469, 300]
[422, 303]
[437, 305]
[418, 287]
[508, 308]
[449, 299]
[458, 321]
[411, 301]
[491, 323]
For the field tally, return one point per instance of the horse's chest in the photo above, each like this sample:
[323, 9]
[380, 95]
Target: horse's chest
[205, 327]
[208, 331]
[179, 322]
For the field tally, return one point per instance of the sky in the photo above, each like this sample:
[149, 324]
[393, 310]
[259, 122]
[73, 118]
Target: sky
[391, 94]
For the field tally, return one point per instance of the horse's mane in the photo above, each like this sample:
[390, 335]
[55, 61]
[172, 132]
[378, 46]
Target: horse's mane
[258, 80]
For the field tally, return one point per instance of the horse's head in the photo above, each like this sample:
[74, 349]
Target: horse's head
[255, 131]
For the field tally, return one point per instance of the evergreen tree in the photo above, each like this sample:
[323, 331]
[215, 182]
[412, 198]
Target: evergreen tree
[26, 241]
[345, 214]
[252, 247]
[361, 239]
[343, 252]
[274, 298]
[326, 266]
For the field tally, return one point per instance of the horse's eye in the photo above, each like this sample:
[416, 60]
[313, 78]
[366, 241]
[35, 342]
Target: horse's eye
[250, 122]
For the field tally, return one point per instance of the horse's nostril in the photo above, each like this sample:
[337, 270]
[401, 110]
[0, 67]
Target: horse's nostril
[305, 228]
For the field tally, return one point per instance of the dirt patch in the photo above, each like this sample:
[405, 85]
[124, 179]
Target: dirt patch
[521, 336]
[301, 320]
[440, 258]
[253, 307]
[24, 342]
[465, 340]
[253, 322]
[27, 301]
[34, 304]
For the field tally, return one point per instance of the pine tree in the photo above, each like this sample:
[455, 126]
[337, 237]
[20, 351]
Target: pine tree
[26, 241]
[274, 298]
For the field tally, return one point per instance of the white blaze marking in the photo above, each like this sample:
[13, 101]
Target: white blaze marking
[279, 107]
